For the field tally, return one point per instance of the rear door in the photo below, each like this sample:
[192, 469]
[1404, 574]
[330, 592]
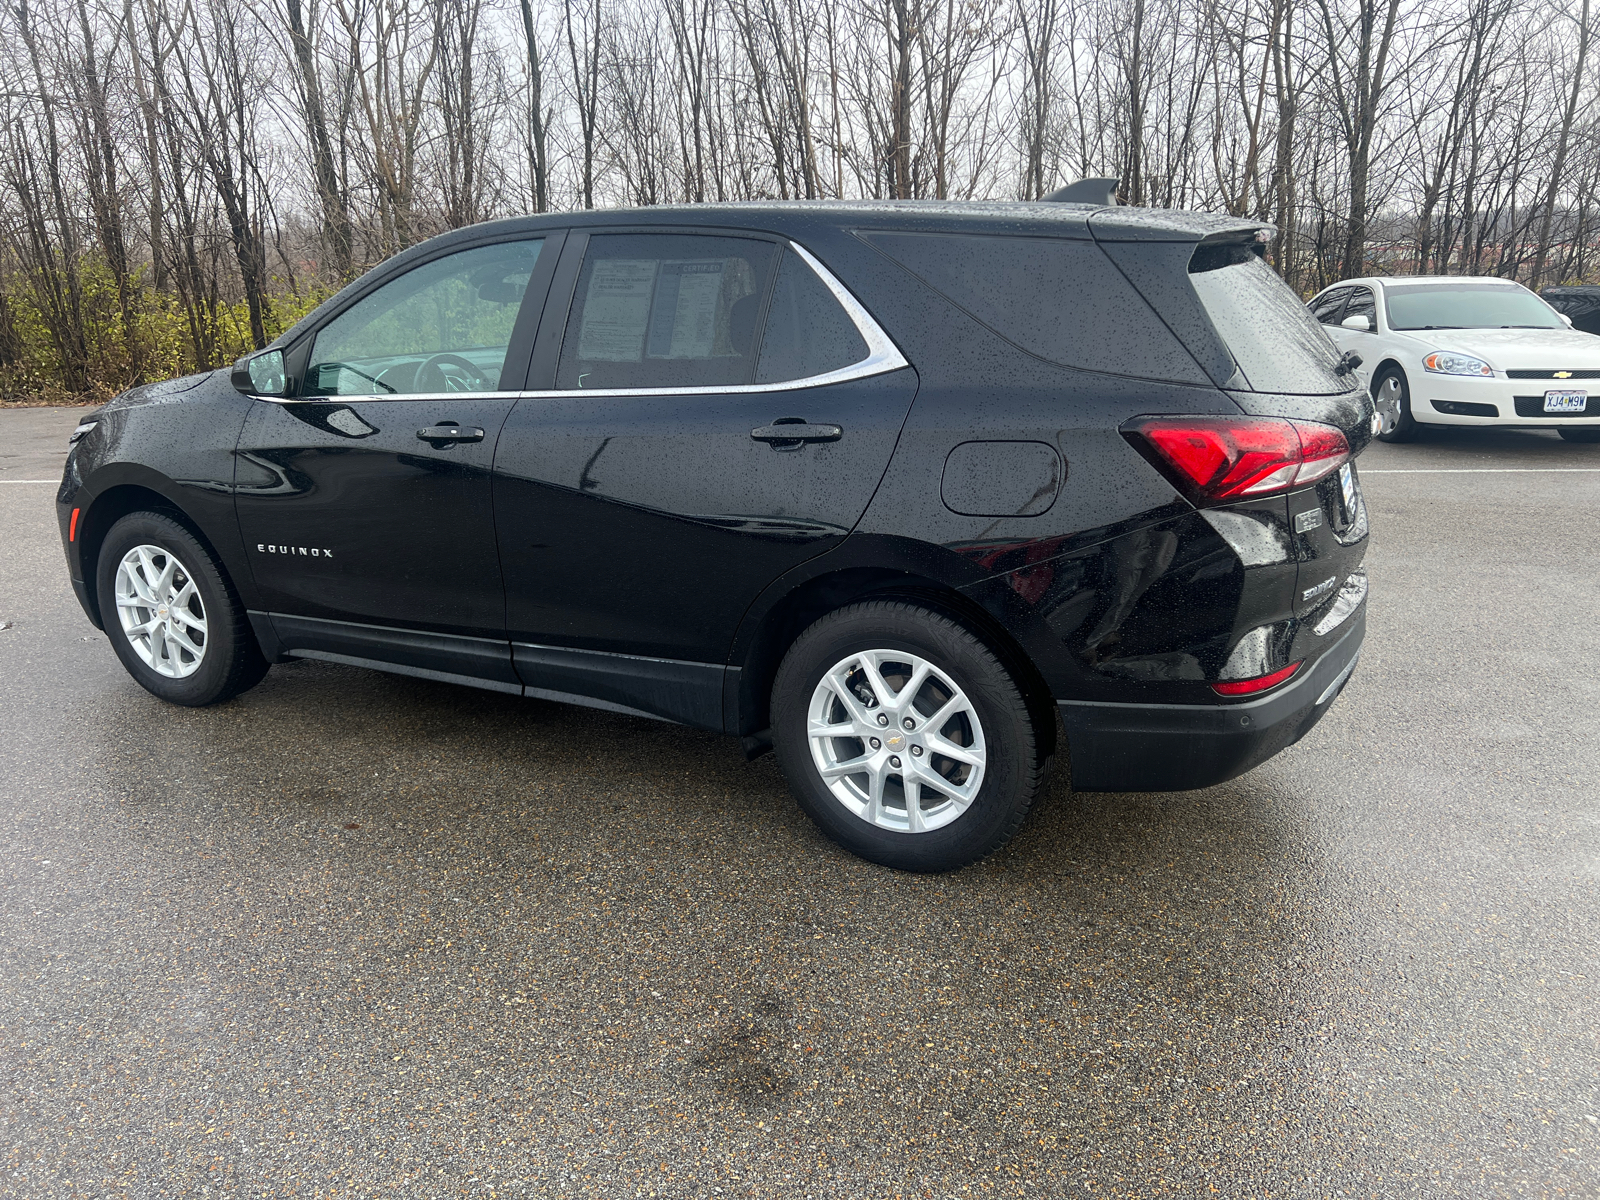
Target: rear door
[711, 409]
[365, 501]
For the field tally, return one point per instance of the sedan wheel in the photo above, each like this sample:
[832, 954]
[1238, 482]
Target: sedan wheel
[1392, 397]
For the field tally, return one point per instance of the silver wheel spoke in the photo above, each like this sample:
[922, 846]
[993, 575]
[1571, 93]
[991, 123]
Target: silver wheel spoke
[875, 782]
[880, 686]
[174, 634]
[850, 766]
[859, 781]
[919, 676]
[947, 748]
[184, 616]
[852, 703]
[818, 729]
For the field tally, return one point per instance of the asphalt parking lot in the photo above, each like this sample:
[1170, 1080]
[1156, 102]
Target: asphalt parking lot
[356, 934]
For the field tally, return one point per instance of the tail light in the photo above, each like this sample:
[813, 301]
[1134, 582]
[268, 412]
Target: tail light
[1216, 459]
[1248, 687]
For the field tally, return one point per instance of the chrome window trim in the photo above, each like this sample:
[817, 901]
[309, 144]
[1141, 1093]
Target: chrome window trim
[882, 357]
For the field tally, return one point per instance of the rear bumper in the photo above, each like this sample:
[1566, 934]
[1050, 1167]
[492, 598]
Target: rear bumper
[1177, 747]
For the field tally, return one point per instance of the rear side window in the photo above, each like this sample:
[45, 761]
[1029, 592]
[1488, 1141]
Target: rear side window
[666, 310]
[807, 332]
[1060, 300]
[1276, 343]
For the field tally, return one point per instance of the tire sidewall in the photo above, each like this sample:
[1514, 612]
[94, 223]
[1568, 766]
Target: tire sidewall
[1011, 750]
[155, 529]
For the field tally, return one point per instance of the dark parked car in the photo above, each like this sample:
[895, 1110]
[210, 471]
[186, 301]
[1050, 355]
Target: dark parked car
[1580, 303]
[883, 486]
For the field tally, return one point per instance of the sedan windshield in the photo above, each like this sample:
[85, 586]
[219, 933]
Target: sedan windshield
[1453, 306]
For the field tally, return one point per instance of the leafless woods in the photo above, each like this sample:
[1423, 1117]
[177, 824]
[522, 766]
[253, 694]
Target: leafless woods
[181, 178]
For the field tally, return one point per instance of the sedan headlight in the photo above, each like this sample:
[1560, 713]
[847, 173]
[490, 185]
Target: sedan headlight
[1446, 363]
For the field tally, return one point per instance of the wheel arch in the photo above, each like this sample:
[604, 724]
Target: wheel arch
[765, 640]
[107, 508]
[1387, 361]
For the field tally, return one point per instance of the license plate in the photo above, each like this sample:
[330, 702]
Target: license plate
[1347, 488]
[1565, 401]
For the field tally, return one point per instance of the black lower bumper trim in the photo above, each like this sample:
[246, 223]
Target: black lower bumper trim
[1177, 747]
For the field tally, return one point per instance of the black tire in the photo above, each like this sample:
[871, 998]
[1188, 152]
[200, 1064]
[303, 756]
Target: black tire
[1014, 767]
[1407, 428]
[231, 661]
[1586, 433]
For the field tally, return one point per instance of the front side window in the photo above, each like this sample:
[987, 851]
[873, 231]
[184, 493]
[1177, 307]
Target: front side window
[1362, 305]
[1473, 306]
[1329, 307]
[443, 327]
[658, 310]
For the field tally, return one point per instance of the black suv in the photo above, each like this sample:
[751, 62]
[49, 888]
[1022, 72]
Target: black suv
[885, 487]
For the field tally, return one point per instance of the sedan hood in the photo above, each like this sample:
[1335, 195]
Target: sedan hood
[1518, 349]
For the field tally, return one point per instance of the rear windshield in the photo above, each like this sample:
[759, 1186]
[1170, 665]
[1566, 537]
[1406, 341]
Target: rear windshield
[1476, 306]
[1278, 344]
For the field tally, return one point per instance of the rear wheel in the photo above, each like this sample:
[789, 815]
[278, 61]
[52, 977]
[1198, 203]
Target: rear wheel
[904, 737]
[1588, 433]
[1392, 395]
[171, 614]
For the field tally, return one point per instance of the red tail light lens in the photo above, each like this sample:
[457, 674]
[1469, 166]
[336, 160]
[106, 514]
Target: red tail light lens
[1216, 459]
[1245, 687]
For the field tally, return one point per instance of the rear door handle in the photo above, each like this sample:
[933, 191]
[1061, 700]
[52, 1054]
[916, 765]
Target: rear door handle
[788, 435]
[439, 434]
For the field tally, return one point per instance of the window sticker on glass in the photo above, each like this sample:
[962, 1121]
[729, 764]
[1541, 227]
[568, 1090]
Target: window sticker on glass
[616, 309]
[684, 321]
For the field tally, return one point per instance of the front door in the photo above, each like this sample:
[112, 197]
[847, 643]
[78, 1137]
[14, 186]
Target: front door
[365, 502]
[720, 412]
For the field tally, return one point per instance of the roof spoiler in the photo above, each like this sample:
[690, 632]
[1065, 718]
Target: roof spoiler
[1099, 192]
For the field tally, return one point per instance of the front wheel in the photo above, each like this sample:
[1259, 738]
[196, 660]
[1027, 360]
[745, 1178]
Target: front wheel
[1392, 396]
[1584, 434]
[172, 616]
[904, 737]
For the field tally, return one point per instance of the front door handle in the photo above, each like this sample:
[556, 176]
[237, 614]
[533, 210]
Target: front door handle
[791, 434]
[440, 434]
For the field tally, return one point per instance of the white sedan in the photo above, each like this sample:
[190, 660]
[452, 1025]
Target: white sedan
[1445, 350]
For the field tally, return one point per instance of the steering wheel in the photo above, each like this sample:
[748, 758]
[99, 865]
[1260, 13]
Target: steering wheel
[477, 381]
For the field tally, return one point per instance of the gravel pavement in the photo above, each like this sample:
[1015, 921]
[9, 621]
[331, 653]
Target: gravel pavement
[355, 934]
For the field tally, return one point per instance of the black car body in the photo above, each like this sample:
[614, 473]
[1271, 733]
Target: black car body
[642, 513]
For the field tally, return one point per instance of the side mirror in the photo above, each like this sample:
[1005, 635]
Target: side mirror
[261, 374]
[1566, 319]
[1360, 321]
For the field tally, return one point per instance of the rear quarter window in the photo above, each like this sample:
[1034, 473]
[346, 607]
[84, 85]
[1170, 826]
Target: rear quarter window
[1058, 299]
[1277, 343]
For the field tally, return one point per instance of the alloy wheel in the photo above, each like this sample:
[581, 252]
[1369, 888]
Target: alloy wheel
[161, 612]
[896, 740]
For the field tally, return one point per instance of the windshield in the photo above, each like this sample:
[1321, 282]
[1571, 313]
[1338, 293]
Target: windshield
[1277, 344]
[1474, 306]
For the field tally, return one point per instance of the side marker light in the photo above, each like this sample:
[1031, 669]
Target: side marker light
[72, 527]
